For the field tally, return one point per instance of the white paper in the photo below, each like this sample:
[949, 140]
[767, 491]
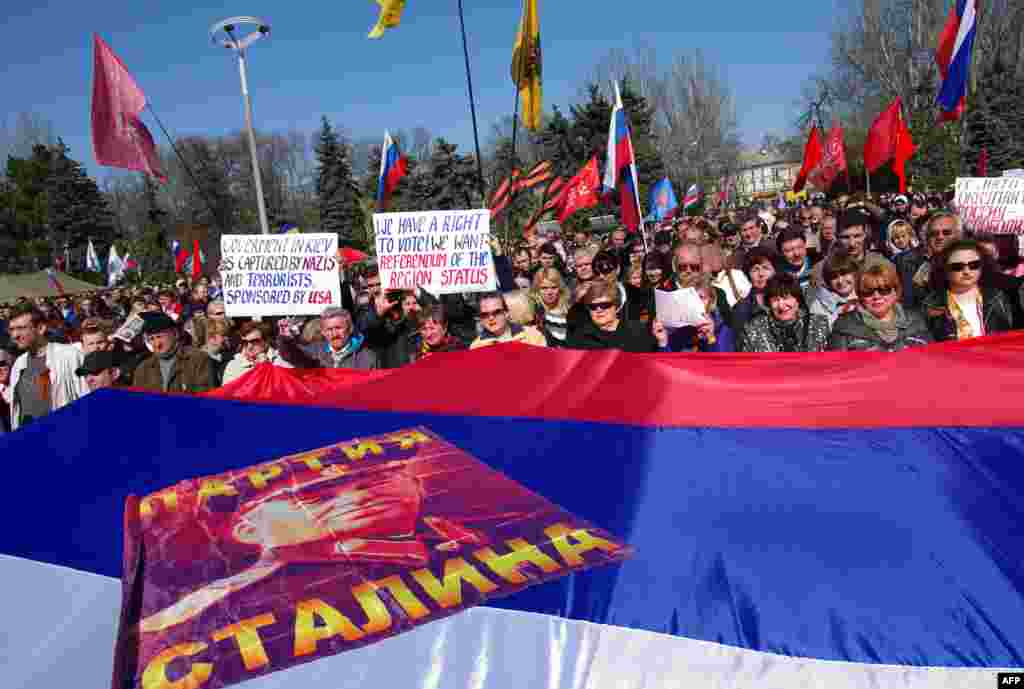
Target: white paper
[279, 275]
[679, 308]
[130, 330]
[443, 252]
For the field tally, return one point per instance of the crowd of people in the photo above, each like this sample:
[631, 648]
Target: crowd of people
[869, 274]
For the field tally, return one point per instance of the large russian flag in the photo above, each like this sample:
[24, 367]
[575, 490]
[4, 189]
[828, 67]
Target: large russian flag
[840, 520]
[620, 166]
[393, 167]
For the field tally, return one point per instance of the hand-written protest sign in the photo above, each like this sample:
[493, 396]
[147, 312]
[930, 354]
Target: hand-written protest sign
[991, 204]
[286, 275]
[322, 552]
[441, 251]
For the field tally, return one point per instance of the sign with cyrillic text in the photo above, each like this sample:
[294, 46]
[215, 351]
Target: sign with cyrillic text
[991, 204]
[444, 252]
[284, 275]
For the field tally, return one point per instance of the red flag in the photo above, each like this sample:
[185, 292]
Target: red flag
[983, 163]
[904, 151]
[197, 261]
[881, 142]
[119, 138]
[833, 160]
[813, 153]
[581, 191]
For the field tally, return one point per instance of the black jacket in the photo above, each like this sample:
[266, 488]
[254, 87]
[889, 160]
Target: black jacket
[630, 336]
[907, 265]
[997, 314]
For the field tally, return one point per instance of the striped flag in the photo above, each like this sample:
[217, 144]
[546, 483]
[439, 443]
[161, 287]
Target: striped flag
[692, 196]
[620, 167]
[954, 58]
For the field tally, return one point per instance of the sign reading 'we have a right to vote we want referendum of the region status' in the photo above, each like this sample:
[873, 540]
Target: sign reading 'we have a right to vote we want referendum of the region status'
[443, 252]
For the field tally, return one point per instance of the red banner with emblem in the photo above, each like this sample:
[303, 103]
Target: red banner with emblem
[236, 575]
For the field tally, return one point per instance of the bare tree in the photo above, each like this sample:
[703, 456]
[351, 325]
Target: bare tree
[694, 110]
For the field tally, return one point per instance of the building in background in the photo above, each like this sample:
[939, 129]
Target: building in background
[765, 172]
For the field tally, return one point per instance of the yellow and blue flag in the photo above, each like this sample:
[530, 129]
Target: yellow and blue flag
[390, 16]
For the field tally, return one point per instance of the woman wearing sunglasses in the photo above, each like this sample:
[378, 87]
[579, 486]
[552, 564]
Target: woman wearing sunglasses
[606, 329]
[879, 323]
[605, 269]
[962, 302]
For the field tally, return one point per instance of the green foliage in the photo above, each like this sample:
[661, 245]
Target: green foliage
[340, 208]
[453, 178]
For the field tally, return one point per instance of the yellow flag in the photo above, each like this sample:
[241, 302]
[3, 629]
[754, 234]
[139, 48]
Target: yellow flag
[526, 66]
[390, 16]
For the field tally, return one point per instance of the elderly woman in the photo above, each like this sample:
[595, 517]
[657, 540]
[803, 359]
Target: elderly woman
[433, 333]
[787, 326]
[254, 343]
[962, 302]
[714, 334]
[880, 323]
[606, 329]
[839, 293]
[551, 298]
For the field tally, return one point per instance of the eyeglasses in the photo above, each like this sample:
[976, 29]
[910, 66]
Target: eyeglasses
[877, 291]
[958, 267]
[485, 315]
[214, 313]
[941, 233]
[252, 342]
[689, 267]
[601, 306]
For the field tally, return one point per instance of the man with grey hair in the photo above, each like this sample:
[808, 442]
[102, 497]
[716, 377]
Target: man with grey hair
[342, 347]
[914, 265]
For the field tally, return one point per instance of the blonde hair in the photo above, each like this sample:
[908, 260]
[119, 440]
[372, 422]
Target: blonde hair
[551, 275]
[519, 306]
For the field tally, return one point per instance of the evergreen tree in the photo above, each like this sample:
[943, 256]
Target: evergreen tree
[453, 178]
[340, 208]
[995, 122]
[589, 132]
[559, 146]
[77, 211]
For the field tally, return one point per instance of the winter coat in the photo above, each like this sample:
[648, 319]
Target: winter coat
[65, 385]
[318, 355]
[809, 333]
[744, 311]
[997, 314]
[851, 334]
[191, 372]
[907, 265]
[630, 336]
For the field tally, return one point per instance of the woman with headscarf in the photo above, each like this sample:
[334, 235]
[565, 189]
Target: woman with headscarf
[879, 323]
[787, 326]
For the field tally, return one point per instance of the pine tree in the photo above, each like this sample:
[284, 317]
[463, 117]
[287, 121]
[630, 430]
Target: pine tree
[590, 126]
[77, 211]
[340, 208]
[559, 146]
[453, 178]
[995, 122]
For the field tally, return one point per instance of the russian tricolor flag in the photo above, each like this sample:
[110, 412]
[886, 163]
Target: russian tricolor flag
[954, 57]
[180, 254]
[692, 196]
[393, 167]
[796, 523]
[620, 168]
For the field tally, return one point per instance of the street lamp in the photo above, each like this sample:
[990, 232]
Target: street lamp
[223, 33]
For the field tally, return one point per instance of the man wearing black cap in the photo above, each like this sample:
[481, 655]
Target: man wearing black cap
[172, 367]
[99, 370]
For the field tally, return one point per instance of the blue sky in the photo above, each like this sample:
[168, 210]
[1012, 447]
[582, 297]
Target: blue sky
[319, 61]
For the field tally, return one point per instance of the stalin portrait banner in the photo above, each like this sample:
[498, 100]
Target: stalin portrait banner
[237, 575]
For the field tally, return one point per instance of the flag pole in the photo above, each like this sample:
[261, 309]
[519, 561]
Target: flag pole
[472, 106]
[188, 168]
[867, 180]
[512, 168]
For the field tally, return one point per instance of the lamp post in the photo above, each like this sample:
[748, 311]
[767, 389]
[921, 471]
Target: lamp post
[224, 33]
